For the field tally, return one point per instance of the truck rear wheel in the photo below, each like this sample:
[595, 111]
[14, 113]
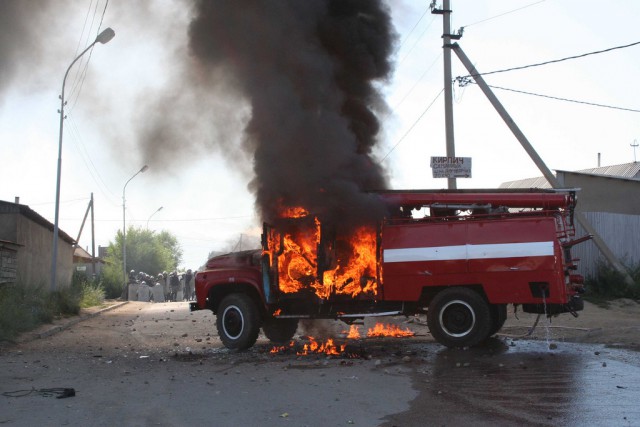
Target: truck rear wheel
[279, 330]
[238, 321]
[459, 317]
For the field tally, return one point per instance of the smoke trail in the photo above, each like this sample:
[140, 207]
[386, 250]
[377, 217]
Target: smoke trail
[21, 41]
[309, 71]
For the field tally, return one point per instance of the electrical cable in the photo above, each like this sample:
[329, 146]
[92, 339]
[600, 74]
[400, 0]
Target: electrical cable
[503, 14]
[554, 60]
[412, 126]
[566, 99]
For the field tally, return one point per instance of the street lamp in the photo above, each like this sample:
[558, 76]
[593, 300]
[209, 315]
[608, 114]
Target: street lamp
[124, 228]
[158, 210]
[103, 37]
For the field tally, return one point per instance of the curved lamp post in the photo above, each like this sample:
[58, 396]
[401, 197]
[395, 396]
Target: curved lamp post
[103, 37]
[157, 210]
[124, 228]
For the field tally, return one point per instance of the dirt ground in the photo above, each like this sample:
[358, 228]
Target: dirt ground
[617, 325]
[158, 364]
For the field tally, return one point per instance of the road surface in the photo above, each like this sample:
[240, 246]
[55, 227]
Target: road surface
[146, 364]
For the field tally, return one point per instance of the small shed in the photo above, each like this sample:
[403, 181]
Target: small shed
[84, 263]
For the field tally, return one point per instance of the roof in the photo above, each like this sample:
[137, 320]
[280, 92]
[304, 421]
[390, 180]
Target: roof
[625, 171]
[81, 253]
[26, 211]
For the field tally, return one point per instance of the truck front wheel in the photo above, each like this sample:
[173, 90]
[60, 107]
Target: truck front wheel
[279, 330]
[459, 317]
[498, 317]
[238, 321]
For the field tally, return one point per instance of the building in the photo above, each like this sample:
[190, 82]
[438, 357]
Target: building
[26, 241]
[84, 263]
[609, 197]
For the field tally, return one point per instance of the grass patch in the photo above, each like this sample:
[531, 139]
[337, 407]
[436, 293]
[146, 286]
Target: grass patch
[92, 295]
[24, 308]
[608, 284]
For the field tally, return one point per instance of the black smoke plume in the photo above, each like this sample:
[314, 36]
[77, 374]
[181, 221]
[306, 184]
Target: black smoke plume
[309, 71]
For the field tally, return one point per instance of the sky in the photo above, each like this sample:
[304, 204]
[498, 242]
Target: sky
[119, 95]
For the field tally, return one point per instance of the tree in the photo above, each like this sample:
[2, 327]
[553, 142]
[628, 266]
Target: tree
[147, 251]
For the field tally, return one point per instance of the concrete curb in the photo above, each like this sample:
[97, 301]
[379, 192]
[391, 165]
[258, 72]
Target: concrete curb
[73, 321]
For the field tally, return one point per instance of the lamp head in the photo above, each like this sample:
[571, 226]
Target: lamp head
[105, 36]
[144, 168]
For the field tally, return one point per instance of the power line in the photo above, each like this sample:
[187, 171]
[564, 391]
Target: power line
[413, 125]
[566, 99]
[86, 64]
[554, 60]
[503, 14]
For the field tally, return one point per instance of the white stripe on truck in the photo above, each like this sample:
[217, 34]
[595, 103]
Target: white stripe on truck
[462, 252]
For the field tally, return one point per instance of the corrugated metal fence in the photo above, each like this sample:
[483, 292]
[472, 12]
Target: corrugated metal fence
[620, 232]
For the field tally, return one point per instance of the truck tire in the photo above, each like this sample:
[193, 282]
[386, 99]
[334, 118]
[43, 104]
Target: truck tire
[498, 317]
[459, 317]
[279, 330]
[238, 321]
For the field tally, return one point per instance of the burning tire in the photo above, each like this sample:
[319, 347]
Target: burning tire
[279, 330]
[498, 317]
[238, 321]
[459, 317]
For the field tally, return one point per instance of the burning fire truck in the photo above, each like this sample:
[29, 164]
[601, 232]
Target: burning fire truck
[460, 256]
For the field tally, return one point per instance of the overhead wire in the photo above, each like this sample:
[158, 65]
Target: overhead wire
[503, 14]
[566, 99]
[91, 167]
[554, 61]
[412, 125]
[84, 62]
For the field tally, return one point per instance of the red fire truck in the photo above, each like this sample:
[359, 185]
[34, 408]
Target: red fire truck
[460, 256]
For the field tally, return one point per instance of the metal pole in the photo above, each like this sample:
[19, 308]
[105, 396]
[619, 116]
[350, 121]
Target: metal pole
[103, 38]
[448, 87]
[124, 228]
[157, 210]
[93, 240]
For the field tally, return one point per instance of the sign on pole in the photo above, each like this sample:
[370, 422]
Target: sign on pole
[451, 167]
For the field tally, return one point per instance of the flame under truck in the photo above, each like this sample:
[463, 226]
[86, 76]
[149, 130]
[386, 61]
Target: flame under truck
[460, 256]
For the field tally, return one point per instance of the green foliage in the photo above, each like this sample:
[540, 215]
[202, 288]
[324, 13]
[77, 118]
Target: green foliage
[91, 291]
[23, 308]
[609, 283]
[147, 251]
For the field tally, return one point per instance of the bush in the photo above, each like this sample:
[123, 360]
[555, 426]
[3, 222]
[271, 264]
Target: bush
[23, 308]
[92, 295]
[609, 283]
[90, 292]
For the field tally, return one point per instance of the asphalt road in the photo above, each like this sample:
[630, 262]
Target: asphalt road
[145, 364]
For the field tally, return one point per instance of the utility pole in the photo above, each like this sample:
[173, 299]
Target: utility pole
[634, 145]
[93, 239]
[448, 81]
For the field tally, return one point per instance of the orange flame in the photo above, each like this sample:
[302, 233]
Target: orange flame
[280, 348]
[327, 348]
[349, 266]
[354, 333]
[380, 330]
